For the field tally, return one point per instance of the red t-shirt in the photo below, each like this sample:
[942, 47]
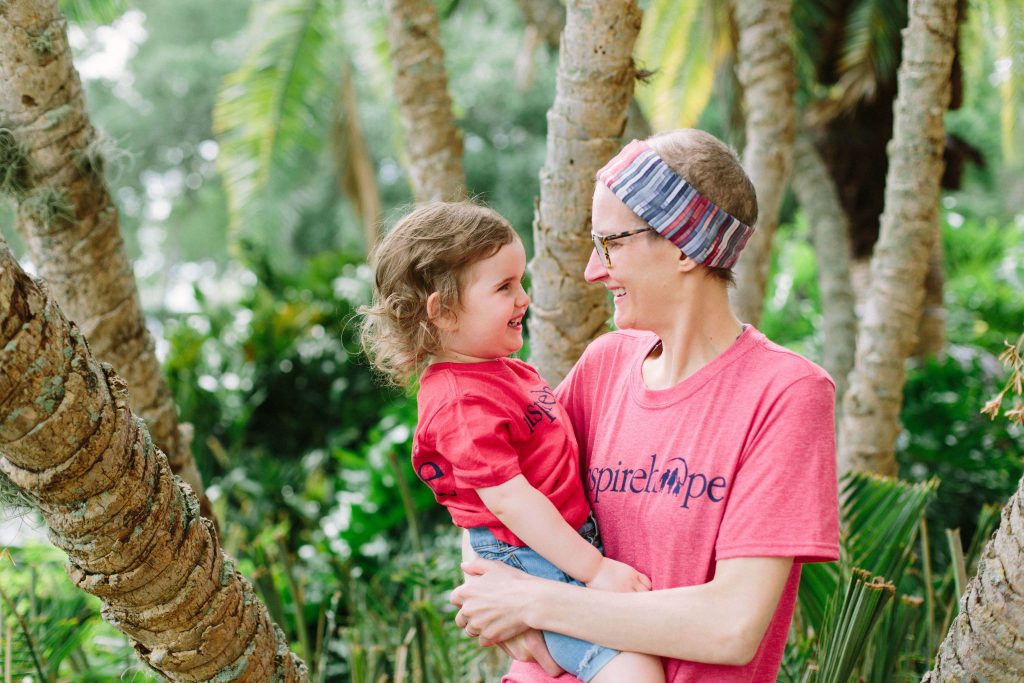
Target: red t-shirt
[481, 424]
[738, 460]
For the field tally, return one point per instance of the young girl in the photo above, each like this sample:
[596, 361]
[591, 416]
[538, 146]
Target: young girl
[491, 440]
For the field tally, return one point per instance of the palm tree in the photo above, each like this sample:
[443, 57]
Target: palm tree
[595, 65]
[68, 219]
[421, 87]
[766, 71]
[871, 407]
[984, 640]
[133, 537]
[829, 227]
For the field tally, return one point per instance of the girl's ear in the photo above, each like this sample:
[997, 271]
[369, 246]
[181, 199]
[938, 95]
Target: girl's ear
[441, 318]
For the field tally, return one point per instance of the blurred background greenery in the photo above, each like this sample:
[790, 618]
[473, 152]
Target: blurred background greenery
[304, 452]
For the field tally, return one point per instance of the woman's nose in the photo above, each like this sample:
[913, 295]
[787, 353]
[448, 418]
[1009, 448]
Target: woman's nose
[595, 270]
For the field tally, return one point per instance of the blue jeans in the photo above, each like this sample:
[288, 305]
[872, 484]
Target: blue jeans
[578, 657]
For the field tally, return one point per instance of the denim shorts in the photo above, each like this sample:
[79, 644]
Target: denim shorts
[576, 656]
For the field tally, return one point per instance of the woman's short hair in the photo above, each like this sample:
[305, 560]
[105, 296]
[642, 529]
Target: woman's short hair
[714, 169]
[428, 250]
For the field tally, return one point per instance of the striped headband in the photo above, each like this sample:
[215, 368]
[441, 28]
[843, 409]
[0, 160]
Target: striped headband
[700, 228]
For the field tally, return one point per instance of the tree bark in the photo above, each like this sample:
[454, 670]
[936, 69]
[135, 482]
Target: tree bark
[421, 88]
[767, 72]
[593, 89]
[984, 641]
[931, 331]
[870, 423]
[830, 233]
[132, 532]
[68, 219]
[547, 16]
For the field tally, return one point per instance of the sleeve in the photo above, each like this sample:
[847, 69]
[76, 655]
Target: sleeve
[475, 437]
[784, 501]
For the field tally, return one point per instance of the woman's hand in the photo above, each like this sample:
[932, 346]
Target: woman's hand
[613, 575]
[492, 601]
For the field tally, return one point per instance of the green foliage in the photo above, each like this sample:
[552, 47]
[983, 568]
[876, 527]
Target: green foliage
[684, 44]
[401, 627]
[58, 632]
[879, 521]
[277, 100]
[880, 613]
[96, 11]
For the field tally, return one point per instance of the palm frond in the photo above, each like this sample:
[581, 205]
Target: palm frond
[92, 11]
[849, 625]
[880, 518]
[870, 52]
[274, 103]
[683, 43]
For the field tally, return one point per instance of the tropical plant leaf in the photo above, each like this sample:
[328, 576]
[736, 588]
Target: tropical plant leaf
[870, 52]
[880, 518]
[849, 624]
[274, 104]
[683, 42]
[92, 11]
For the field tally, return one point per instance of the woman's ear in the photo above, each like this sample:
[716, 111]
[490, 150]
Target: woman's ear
[438, 315]
[686, 264]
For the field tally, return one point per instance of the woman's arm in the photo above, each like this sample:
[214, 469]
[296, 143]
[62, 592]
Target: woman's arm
[529, 645]
[719, 622]
[529, 514]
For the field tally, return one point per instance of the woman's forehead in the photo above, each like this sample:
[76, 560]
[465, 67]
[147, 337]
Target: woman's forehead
[610, 215]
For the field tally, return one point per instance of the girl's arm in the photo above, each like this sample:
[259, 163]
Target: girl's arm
[529, 514]
[719, 622]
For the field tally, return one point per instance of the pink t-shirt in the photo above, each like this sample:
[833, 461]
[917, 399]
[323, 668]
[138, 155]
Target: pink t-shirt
[481, 424]
[738, 460]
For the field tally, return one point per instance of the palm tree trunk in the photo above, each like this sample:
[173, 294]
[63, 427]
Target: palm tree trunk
[421, 87]
[931, 331]
[829, 230]
[133, 537]
[767, 73]
[593, 90]
[870, 423]
[984, 641]
[68, 220]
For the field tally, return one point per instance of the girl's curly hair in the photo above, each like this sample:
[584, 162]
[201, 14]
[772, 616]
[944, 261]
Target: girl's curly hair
[427, 251]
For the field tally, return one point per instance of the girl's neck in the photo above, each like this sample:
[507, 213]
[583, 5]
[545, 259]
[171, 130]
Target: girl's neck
[456, 357]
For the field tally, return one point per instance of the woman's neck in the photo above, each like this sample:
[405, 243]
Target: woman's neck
[703, 328]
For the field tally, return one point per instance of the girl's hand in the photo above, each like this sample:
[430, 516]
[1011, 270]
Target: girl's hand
[529, 646]
[616, 576]
[492, 601]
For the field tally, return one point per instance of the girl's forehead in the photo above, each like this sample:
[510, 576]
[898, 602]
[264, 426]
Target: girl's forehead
[499, 265]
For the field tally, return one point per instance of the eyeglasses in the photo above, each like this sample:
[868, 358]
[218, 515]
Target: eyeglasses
[601, 242]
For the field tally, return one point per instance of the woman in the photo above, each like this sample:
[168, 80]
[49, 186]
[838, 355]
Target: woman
[708, 450]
